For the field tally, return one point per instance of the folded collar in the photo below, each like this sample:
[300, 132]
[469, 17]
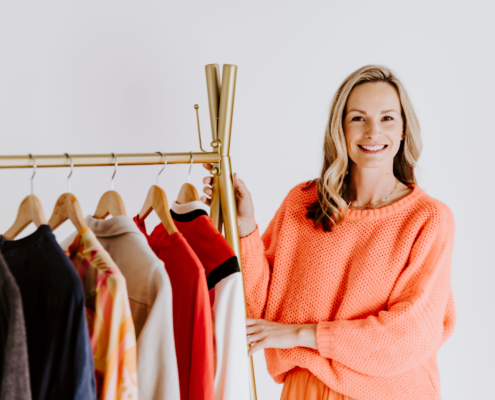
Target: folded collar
[113, 226]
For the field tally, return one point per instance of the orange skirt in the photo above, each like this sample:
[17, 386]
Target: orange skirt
[302, 384]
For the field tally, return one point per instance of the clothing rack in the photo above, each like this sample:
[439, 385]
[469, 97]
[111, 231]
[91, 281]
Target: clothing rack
[223, 207]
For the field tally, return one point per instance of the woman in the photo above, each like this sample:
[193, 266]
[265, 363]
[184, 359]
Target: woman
[348, 290]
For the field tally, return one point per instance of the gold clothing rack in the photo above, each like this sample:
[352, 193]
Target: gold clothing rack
[223, 207]
[101, 160]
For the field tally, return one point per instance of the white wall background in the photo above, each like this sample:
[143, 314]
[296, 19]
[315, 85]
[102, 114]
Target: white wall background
[123, 76]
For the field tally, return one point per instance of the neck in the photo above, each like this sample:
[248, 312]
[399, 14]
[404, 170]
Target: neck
[368, 185]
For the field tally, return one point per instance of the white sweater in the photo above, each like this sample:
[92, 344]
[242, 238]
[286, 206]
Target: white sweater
[226, 296]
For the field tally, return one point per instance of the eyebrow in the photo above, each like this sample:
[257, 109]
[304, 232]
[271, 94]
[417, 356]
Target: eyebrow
[363, 112]
[359, 111]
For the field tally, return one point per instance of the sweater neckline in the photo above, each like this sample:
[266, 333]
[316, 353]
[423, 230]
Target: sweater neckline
[164, 243]
[189, 207]
[27, 241]
[353, 215]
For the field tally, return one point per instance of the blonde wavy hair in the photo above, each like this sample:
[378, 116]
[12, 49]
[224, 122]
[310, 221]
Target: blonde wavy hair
[330, 208]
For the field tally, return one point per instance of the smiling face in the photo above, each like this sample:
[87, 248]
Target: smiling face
[373, 125]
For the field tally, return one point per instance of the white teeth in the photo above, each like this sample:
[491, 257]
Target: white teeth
[373, 148]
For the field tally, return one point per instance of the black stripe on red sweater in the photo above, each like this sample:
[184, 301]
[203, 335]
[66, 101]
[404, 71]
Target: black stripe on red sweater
[227, 268]
[188, 217]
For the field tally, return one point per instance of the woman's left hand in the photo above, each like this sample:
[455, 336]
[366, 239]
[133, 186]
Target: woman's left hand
[262, 334]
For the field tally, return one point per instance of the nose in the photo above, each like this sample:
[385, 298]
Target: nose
[373, 131]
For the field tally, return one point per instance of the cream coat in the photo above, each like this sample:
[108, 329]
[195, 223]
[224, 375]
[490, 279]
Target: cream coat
[150, 297]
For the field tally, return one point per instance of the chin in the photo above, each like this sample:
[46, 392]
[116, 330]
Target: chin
[372, 164]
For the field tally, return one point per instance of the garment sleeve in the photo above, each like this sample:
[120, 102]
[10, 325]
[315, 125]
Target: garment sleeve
[258, 256]
[202, 375]
[158, 374]
[113, 328]
[229, 328]
[14, 377]
[419, 316]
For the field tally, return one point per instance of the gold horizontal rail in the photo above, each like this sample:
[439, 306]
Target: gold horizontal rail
[100, 160]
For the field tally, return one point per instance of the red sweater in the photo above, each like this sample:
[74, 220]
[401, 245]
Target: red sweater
[226, 290]
[379, 290]
[191, 314]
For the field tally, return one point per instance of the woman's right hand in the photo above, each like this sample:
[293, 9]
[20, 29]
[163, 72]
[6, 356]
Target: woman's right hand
[244, 203]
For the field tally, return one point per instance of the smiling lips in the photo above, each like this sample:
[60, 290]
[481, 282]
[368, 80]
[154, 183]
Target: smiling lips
[373, 149]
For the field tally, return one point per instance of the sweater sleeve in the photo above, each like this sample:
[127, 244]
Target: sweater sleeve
[258, 256]
[419, 316]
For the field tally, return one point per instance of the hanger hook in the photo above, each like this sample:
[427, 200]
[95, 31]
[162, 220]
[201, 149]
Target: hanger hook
[164, 165]
[115, 171]
[34, 172]
[190, 166]
[71, 170]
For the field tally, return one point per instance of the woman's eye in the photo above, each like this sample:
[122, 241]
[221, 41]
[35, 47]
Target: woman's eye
[388, 118]
[357, 119]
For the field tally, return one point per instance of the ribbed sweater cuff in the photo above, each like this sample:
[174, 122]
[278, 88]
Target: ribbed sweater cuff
[251, 241]
[325, 339]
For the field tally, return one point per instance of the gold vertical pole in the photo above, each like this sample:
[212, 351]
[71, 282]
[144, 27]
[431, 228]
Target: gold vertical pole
[227, 195]
[213, 87]
[215, 209]
[226, 110]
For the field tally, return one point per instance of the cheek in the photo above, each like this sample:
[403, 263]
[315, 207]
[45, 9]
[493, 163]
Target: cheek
[352, 134]
[351, 145]
[352, 149]
[394, 136]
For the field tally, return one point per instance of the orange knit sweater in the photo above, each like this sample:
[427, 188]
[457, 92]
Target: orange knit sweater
[379, 290]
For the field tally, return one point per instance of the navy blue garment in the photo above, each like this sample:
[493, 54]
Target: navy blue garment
[59, 351]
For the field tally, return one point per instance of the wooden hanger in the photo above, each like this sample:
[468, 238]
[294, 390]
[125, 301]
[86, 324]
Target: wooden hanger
[67, 208]
[110, 203]
[30, 210]
[188, 192]
[157, 200]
